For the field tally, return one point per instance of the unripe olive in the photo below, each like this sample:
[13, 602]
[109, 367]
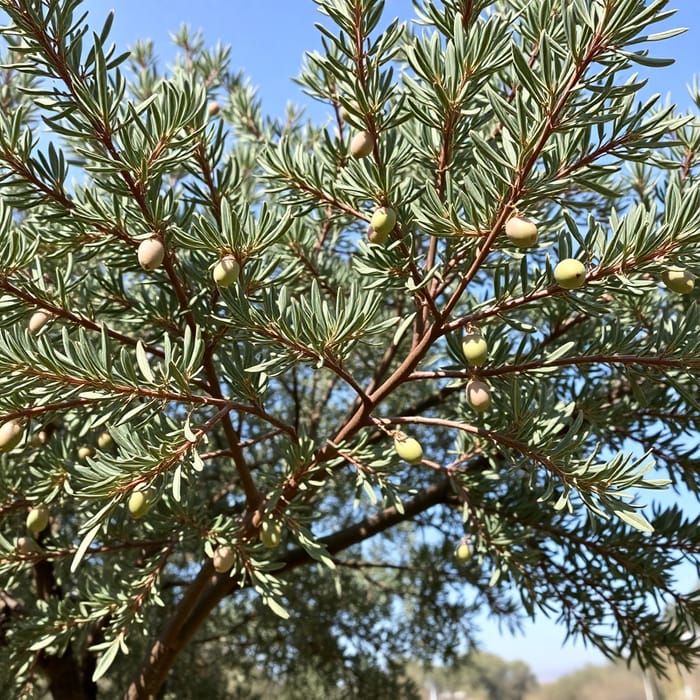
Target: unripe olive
[478, 395]
[475, 349]
[223, 559]
[375, 237]
[679, 280]
[570, 274]
[463, 553]
[85, 451]
[362, 145]
[26, 545]
[226, 271]
[10, 435]
[213, 109]
[38, 320]
[383, 221]
[140, 503]
[408, 448]
[37, 519]
[151, 253]
[521, 232]
[104, 440]
[270, 533]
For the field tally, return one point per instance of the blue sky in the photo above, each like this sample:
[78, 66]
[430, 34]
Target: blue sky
[268, 39]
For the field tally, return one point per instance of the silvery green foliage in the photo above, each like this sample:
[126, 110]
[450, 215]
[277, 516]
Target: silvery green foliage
[272, 405]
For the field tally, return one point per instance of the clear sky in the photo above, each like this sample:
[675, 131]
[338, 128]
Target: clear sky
[268, 39]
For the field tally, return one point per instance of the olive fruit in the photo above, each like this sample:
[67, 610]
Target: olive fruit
[151, 253]
[39, 438]
[478, 395]
[104, 440]
[463, 553]
[374, 237]
[679, 280]
[213, 109]
[383, 221]
[26, 545]
[38, 321]
[10, 435]
[408, 448]
[270, 533]
[223, 558]
[37, 519]
[361, 145]
[570, 274]
[226, 271]
[85, 451]
[475, 349]
[140, 503]
[521, 232]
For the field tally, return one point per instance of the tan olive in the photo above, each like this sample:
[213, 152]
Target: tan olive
[213, 109]
[478, 395]
[362, 145]
[570, 274]
[679, 280]
[151, 253]
[39, 438]
[85, 451]
[223, 559]
[521, 232]
[38, 321]
[104, 440]
[26, 545]
[10, 435]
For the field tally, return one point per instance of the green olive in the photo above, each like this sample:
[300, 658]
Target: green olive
[140, 503]
[408, 448]
[475, 349]
[37, 519]
[226, 271]
[463, 553]
[521, 232]
[383, 221]
[679, 280]
[270, 533]
[570, 274]
[375, 237]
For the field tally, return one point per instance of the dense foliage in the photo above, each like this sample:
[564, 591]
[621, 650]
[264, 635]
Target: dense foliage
[242, 436]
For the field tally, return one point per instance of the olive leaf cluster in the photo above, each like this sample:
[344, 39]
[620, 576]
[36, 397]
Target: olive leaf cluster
[278, 464]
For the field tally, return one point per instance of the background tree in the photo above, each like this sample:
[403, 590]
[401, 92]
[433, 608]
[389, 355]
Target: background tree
[208, 365]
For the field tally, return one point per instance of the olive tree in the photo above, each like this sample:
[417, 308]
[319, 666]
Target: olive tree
[285, 405]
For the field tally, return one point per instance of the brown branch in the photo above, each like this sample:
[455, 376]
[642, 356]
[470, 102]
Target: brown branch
[207, 590]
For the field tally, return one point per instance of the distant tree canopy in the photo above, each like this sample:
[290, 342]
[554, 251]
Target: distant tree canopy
[287, 405]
